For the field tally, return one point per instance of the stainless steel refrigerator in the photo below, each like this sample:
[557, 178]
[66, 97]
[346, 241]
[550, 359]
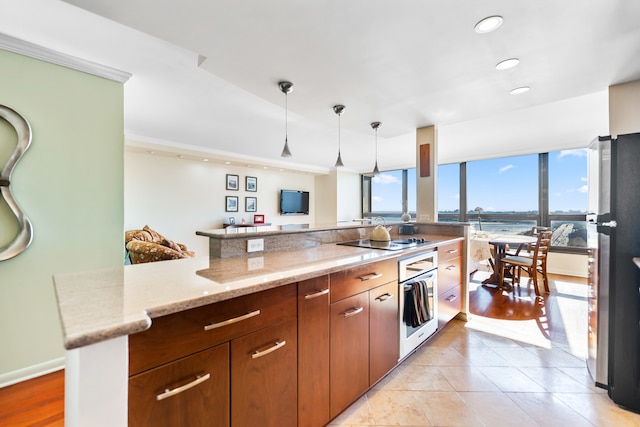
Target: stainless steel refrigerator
[613, 238]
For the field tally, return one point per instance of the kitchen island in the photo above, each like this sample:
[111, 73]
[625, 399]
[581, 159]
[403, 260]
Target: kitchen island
[100, 309]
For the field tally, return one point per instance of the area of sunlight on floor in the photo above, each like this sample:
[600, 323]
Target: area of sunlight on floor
[566, 306]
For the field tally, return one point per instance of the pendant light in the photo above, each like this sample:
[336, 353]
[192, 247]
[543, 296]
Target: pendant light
[286, 88]
[338, 109]
[375, 126]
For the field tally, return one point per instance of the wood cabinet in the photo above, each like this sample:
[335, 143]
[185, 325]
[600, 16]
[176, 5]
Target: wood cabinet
[192, 391]
[184, 333]
[228, 363]
[449, 282]
[349, 367]
[264, 377]
[384, 332]
[313, 352]
[362, 278]
[363, 329]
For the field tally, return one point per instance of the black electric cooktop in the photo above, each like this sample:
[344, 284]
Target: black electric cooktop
[392, 245]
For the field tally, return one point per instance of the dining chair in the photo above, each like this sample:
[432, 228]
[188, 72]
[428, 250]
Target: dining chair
[528, 252]
[534, 266]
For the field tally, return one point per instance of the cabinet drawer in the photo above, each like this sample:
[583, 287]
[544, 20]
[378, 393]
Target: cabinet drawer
[449, 305]
[449, 251]
[362, 278]
[193, 391]
[178, 335]
[449, 272]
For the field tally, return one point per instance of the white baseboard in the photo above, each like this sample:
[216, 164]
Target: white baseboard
[29, 372]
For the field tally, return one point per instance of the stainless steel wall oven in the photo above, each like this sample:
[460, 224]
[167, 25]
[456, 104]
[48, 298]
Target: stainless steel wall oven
[418, 281]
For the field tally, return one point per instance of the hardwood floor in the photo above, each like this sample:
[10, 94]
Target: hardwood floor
[40, 401]
[560, 317]
[36, 402]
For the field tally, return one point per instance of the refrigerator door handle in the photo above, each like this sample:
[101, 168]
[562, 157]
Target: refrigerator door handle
[603, 219]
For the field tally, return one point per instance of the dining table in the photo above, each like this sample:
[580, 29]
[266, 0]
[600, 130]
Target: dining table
[480, 249]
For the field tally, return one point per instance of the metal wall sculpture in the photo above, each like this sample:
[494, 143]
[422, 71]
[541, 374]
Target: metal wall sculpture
[25, 234]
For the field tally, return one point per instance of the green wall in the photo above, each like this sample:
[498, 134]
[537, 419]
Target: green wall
[70, 184]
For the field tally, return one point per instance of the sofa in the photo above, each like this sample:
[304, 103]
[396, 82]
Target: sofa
[147, 245]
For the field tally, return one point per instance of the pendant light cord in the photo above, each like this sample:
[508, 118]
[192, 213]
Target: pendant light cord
[338, 133]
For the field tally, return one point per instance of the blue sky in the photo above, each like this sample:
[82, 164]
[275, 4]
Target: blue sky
[505, 184]
[511, 183]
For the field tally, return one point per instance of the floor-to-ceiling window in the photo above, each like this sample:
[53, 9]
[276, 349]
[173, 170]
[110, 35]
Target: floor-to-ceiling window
[568, 197]
[389, 194]
[512, 194]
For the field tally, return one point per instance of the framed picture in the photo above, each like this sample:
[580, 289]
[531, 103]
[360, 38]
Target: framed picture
[251, 183]
[232, 220]
[232, 204]
[232, 182]
[251, 204]
[258, 219]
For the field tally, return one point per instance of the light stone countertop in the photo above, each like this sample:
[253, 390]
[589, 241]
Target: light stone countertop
[98, 305]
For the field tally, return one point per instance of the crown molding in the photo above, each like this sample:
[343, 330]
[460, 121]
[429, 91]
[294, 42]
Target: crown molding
[31, 50]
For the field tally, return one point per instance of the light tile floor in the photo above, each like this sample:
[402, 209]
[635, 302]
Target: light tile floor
[495, 373]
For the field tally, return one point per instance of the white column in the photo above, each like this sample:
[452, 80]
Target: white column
[426, 186]
[624, 108]
[96, 384]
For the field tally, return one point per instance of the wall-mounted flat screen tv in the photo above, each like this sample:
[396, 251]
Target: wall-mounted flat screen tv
[293, 202]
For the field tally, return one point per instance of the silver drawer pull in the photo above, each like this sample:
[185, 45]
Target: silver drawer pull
[353, 312]
[178, 390]
[450, 267]
[452, 297]
[384, 297]
[317, 294]
[370, 276]
[452, 251]
[231, 321]
[269, 350]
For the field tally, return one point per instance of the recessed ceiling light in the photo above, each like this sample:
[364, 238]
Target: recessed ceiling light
[180, 156]
[205, 160]
[227, 163]
[519, 90]
[507, 63]
[151, 152]
[488, 24]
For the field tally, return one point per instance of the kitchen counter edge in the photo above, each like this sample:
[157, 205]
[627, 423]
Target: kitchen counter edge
[96, 306]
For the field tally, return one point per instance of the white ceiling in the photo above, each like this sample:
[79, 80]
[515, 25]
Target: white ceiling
[405, 63]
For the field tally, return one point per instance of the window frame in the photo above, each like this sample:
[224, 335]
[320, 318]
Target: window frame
[542, 218]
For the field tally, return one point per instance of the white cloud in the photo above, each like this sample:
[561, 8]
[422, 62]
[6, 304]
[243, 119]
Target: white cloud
[384, 178]
[456, 196]
[580, 152]
[584, 179]
[506, 168]
[583, 189]
[376, 198]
